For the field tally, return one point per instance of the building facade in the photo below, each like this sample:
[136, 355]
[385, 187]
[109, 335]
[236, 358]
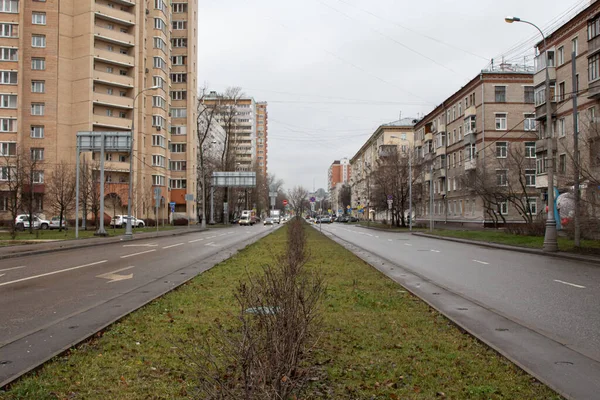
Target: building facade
[474, 148]
[338, 175]
[262, 133]
[394, 137]
[86, 65]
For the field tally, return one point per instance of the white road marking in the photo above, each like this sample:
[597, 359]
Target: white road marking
[194, 241]
[137, 254]
[2, 274]
[482, 262]
[10, 269]
[212, 244]
[173, 245]
[435, 251]
[140, 245]
[53, 272]
[113, 277]
[222, 234]
[210, 237]
[376, 237]
[368, 234]
[407, 244]
[570, 284]
[390, 240]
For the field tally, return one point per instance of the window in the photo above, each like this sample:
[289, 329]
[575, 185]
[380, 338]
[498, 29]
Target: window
[560, 56]
[8, 148]
[179, 25]
[178, 183]
[593, 28]
[532, 206]
[37, 132]
[500, 121]
[5, 173]
[38, 41]
[501, 177]
[178, 165]
[460, 109]
[540, 94]
[561, 127]
[123, 72]
[179, 42]
[529, 94]
[158, 161]
[179, 130]
[8, 54]
[159, 81]
[158, 180]
[459, 133]
[178, 147]
[470, 125]
[501, 149]
[158, 120]
[38, 176]
[8, 124]
[504, 207]
[530, 177]
[160, 63]
[179, 7]
[9, 6]
[179, 60]
[179, 78]
[561, 91]
[9, 30]
[37, 154]
[529, 149]
[529, 122]
[160, 24]
[38, 64]
[594, 67]
[562, 163]
[541, 163]
[159, 43]
[8, 101]
[500, 94]
[38, 86]
[158, 101]
[38, 18]
[160, 5]
[178, 94]
[122, 114]
[574, 46]
[158, 141]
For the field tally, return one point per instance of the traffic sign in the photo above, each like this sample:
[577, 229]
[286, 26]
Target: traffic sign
[390, 202]
[390, 197]
[285, 202]
[312, 199]
[348, 207]
[340, 210]
[172, 205]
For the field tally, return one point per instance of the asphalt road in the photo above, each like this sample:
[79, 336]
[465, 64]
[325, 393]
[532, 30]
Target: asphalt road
[49, 302]
[557, 298]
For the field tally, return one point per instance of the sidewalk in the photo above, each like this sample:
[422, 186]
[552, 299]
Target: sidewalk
[560, 254]
[60, 245]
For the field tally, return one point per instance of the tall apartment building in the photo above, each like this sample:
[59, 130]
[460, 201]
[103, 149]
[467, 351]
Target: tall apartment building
[581, 35]
[262, 133]
[245, 121]
[84, 65]
[480, 139]
[395, 136]
[339, 174]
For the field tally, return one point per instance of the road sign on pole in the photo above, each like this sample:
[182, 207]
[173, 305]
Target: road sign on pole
[390, 202]
[172, 205]
[312, 199]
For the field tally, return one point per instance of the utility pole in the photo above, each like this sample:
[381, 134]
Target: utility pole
[576, 183]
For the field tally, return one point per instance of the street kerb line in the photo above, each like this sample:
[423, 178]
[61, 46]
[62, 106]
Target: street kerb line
[173, 245]
[570, 284]
[137, 254]
[52, 273]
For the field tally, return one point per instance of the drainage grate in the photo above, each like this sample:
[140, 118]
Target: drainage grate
[462, 309]
[501, 329]
[436, 294]
[563, 363]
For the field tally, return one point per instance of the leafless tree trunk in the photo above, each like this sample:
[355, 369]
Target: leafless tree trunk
[297, 198]
[60, 190]
[13, 178]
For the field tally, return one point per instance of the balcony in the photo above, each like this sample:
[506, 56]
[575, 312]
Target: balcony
[540, 111]
[115, 15]
[114, 36]
[116, 166]
[112, 57]
[541, 145]
[111, 122]
[113, 101]
[441, 128]
[440, 151]
[470, 165]
[428, 137]
[439, 173]
[469, 138]
[113, 79]
[594, 90]
[540, 77]
[469, 112]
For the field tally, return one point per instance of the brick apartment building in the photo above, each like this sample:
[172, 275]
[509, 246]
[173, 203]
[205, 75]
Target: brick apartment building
[339, 174]
[70, 66]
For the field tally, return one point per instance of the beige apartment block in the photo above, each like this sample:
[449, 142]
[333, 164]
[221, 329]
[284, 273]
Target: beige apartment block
[479, 139]
[86, 65]
[262, 133]
[579, 35]
[397, 136]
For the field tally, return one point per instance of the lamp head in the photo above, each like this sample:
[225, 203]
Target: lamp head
[510, 20]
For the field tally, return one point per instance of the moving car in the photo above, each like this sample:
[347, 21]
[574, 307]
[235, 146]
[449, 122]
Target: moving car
[325, 219]
[55, 223]
[22, 222]
[247, 220]
[269, 221]
[120, 221]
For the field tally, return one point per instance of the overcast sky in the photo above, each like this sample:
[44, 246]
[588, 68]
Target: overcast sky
[332, 71]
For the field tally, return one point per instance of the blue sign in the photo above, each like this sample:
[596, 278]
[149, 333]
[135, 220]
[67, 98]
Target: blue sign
[172, 205]
[340, 210]
[312, 199]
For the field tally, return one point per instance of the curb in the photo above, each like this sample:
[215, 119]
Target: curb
[383, 229]
[561, 255]
[99, 242]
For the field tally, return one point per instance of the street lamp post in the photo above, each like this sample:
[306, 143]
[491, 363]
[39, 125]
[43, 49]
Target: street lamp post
[128, 229]
[410, 218]
[550, 237]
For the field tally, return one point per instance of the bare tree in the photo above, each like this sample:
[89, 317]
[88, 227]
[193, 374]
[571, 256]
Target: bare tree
[60, 190]
[34, 176]
[297, 198]
[12, 180]
[345, 196]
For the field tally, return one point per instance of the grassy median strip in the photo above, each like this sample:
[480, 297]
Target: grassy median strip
[378, 341]
[536, 242]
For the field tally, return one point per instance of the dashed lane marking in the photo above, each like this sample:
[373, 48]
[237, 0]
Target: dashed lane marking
[407, 244]
[482, 262]
[137, 254]
[10, 269]
[570, 284]
[173, 245]
[53, 272]
[194, 241]
[435, 251]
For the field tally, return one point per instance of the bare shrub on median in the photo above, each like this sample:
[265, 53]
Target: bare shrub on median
[263, 356]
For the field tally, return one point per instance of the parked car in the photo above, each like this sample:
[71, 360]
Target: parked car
[120, 221]
[343, 219]
[325, 220]
[22, 222]
[55, 223]
[269, 221]
[352, 219]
